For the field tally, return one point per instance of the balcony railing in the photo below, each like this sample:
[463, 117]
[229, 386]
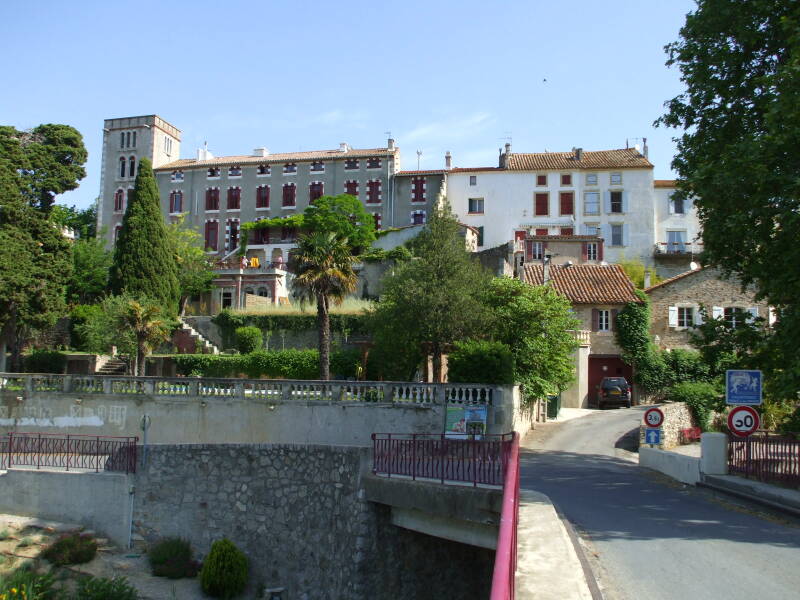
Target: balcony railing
[678, 248]
[235, 266]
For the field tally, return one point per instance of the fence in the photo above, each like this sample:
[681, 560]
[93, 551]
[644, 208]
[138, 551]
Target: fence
[767, 457]
[505, 561]
[96, 453]
[436, 456]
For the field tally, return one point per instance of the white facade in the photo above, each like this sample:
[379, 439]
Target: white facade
[677, 225]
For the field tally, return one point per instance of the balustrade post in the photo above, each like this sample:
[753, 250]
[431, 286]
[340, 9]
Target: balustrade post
[107, 385]
[388, 395]
[286, 391]
[28, 385]
[238, 389]
[194, 387]
[335, 392]
[66, 384]
[149, 386]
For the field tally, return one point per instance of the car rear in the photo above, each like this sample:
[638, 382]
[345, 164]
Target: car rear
[614, 391]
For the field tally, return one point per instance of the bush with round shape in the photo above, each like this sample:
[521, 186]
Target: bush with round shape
[172, 558]
[224, 572]
[71, 549]
[248, 339]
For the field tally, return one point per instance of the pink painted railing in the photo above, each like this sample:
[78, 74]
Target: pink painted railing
[505, 561]
[100, 453]
[766, 457]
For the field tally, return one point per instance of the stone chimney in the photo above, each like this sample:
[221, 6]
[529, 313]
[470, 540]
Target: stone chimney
[343, 147]
[578, 153]
[508, 148]
[448, 160]
[262, 152]
[391, 143]
[646, 278]
[546, 268]
[645, 150]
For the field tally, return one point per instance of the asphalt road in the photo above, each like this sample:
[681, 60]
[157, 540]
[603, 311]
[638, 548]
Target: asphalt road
[650, 538]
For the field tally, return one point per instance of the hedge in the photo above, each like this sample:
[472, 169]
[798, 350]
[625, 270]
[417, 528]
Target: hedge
[279, 364]
[480, 362]
[702, 398]
[45, 361]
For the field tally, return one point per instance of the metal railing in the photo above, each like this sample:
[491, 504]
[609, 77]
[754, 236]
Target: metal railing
[505, 561]
[678, 248]
[279, 390]
[770, 458]
[98, 453]
[476, 460]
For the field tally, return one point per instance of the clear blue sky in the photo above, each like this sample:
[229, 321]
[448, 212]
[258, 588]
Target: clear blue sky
[457, 76]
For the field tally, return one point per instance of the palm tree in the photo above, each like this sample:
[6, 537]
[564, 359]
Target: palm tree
[323, 266]
[143, 320]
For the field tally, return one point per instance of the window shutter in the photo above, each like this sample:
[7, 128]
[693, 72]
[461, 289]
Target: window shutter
[671, 206]
[717, 312]
[614, 313]
[595, 319]
[753, 310]
[673, 316]
[584, 253]
[625, 202]
[600, 251]
[698, 317]
[607, 200]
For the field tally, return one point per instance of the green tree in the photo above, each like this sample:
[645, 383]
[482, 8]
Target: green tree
[323, 267]
[82, 222]
[536, 322]
[635, 270]
[434, 299]
[195, 267]
[343, 215]
[91, 261]
[144, 261]
[736, 157]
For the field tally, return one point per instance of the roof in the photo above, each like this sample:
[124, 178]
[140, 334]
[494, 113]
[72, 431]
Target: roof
[249, 159]
[664, 183]
[586, 284]
[625, 158]
[422, 172]
[473, 169]
[672, 279]
[564, 238]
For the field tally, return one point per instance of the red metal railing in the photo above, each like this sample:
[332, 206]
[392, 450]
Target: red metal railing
[505, 560]
[436, 456]
[69, 452]
[767, 457]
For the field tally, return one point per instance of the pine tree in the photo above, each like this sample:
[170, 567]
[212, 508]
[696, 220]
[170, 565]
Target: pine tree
[144, 263]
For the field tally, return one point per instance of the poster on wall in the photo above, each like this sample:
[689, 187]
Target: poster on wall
[465, 421]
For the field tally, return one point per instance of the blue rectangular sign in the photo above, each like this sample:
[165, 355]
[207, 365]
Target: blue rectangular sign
[652, 436]
[743, 387]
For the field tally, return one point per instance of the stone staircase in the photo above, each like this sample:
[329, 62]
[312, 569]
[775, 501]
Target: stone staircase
[114, 366]
[204, 346]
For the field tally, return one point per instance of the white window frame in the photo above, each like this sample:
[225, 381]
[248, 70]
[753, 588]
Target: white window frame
[603, 320]
[611, 178]
[473, 180]
[585, 210]
[591, 179]
[478, 201]
[592, 250]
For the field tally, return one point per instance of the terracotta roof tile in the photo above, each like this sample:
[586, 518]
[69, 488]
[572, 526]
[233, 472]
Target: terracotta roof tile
[422, 172]
[671, 279]
[473, 169]
[249, 159]
[586, 284]
[626, 158]
[664, 183]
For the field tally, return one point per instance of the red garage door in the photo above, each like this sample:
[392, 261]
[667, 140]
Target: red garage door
[606, 366]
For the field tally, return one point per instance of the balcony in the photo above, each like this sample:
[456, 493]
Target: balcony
[234, 266]
[677, 249]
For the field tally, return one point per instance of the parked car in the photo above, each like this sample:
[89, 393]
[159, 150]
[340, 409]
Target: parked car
[613, 391]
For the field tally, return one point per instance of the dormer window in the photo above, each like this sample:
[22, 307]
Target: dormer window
[213, 172]
[177, 176]
[263, 170]
[373, 163]
[289, 168]
[351, 164]
[317, 166]
[235, 171]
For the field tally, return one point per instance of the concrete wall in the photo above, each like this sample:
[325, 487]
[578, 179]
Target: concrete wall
[678, 466]
[577, 395]
[100, 501]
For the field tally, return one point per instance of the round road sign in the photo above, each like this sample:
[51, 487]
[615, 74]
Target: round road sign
[653, 417]
[743, 420]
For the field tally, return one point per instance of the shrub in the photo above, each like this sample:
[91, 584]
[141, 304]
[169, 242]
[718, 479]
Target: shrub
[480, 362]
[172, 558]
[791, 426]
[71, 549]
[702, 399]
[345, 363]
[80, 315]
[248, 339]
[224, 572]
[286, 364]
[209, 365]
[101, 588]
[45, 361]
[29, 585]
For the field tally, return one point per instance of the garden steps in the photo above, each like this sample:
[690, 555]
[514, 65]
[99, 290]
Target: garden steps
[114, 366]
[206, 346]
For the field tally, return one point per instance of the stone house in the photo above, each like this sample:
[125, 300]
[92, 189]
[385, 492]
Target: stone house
[596, 293]
[676, 304]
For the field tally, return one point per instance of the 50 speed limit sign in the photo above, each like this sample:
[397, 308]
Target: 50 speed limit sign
[743, 420]
[653, 417]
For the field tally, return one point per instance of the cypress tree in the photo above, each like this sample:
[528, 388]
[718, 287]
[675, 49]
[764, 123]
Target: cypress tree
[144, 263]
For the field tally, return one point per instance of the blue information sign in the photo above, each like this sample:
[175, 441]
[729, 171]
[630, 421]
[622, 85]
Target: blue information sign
[652, 436]
[743, 387]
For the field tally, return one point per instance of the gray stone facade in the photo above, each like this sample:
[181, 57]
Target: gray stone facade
[300, 515]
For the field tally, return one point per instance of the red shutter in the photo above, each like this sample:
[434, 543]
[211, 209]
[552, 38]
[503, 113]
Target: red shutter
[567, 231]
[542, 200]
[584, 252]
[600, 250]
[519, 235]
[567, 203]
[595, 319]
[541, 232]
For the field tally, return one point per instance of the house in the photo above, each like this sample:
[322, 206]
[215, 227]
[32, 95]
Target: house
[678, 235]
[596, 292]
[676, 304]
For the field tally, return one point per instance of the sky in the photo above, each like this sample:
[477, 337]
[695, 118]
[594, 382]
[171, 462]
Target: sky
[461, 76]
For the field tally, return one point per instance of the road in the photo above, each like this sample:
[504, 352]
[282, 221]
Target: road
[648, 537]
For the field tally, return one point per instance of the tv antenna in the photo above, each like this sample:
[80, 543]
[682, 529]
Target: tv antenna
[419, 155]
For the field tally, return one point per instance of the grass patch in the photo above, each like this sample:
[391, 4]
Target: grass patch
[25, 542]
[4, 534]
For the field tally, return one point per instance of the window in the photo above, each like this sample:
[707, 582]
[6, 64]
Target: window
[213, 172]
[263, 170]
[262, 196]
[119, 201]
[616, 235]
[476, 206]
[122, 139]
[616, 179]
[289, 168]
[289, 195]
[566, 179]
[351, 187]
[122, 166]
[315, 191]
[235, 171]
[615, 202]
[591, 203]
[536, 250]
[176, 201]
[317, 166]
[212, 199]
[167, 144]
[677, 206]
[541, 231]
[735, 315]
[128, 139]
[373, 163]
[591, 229]
[233, 234]
[567, 231]
[177, 176]
[591, 250]
[676, 242]
[418, 188]
[603, 320]
[234, 198]
[288, 234]
[567, 203]
[374, 191]
[212, 230]
[132, 166]
[473, 180]
[133, 145]
[591, 179]
[350, 164]
[540, 205]
[685, 316]
[418, 217]
[480, 236]
[541, 180]
[117, 229]
[377, 218]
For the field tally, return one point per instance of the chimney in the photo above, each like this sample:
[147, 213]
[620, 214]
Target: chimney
[578, 153]
[262, 152]
[448, 160]
[644, 149]
[391, 143]
[546, 268]
[343, 147]
[646, 278]
[508, 148]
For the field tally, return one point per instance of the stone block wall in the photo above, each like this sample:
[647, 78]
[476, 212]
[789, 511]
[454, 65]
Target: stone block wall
[301, 516]
[677, 416]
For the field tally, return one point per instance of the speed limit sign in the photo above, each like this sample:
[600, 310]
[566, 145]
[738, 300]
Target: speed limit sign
[653, 417]
[743, 420]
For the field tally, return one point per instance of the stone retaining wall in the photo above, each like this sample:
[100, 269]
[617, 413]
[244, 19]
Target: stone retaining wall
[677, 416]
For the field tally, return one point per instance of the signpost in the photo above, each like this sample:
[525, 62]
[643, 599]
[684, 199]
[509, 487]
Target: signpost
[743, 420]
[743, 387]
[652, 436]
[653, 417]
